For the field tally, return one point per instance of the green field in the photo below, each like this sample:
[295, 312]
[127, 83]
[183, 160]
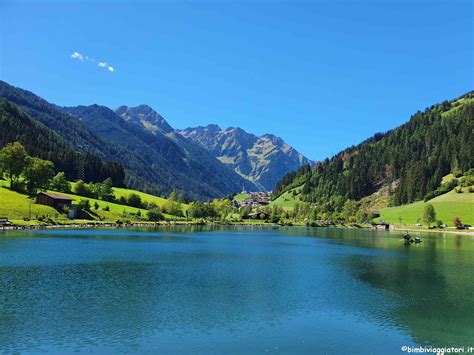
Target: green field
[447, 206]
[16, 207]
[287, 200]
[159, 201]
[241, 197]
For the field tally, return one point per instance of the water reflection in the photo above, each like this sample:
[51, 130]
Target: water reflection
[435, 282]
[237, 290]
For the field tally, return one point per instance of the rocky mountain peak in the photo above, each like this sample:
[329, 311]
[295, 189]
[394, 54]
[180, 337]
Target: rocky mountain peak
[145, 116]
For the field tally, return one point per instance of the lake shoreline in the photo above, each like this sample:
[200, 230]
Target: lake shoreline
[180, 223]
[461, 231]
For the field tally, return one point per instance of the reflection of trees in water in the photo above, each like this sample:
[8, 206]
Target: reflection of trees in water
[438, 302]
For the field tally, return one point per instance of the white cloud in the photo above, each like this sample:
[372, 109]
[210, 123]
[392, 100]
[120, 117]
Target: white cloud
[78, 56]
[84, 58]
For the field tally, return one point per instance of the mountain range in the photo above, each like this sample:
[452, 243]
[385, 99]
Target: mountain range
[262, 160]
[155, 157]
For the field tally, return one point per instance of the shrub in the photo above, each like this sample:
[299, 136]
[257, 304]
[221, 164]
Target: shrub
[134, 200]
[84, 205]
[467, 181]
[155, 215]
[446, 187]
[457, 223]
[60, 183]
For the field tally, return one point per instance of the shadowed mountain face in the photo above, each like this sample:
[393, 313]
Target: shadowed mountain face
[263, 160]
[173, 161]
[146, 117]
[201, 163]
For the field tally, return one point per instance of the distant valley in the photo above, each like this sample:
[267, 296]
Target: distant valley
[155, 157]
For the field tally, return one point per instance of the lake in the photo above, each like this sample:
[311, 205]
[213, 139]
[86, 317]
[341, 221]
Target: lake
[233, 290]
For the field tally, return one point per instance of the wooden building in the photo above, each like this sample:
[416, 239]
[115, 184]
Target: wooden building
[257, 215]
[56, 201]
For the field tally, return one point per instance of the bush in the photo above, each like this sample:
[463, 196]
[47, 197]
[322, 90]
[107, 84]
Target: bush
[457, 223]
[467, 181]
[470, 172]
[155, 215]
[446, 187]
[134, 200]
[84, 205]
[60, 183]
[106, 208]
[82, 189]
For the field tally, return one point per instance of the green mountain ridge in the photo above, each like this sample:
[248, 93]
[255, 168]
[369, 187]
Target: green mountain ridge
[410, 160]
[42, 142]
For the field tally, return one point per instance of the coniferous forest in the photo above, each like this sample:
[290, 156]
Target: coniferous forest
[411, 159]
[42, 142]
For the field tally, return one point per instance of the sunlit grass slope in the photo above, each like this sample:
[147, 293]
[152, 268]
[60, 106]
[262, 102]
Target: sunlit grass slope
[447, 206]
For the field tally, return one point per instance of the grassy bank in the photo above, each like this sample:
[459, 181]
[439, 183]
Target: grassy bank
[447, 206]
[21, 209]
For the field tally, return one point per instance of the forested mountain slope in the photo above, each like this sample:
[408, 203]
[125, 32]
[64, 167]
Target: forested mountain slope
[411, 159]
[42, 142]
[172, 162]
[78, 135]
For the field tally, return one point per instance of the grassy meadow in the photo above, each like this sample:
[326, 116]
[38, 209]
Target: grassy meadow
[16, 207]
[159, 201]
[241, 197]
[286, 200]
[447, 206]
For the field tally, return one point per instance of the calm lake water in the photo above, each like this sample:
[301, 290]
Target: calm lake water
[289, 290]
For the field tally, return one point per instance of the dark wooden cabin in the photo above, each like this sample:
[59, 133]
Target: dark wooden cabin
[56, 201]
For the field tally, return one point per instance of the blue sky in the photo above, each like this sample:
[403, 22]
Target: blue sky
[323, 75]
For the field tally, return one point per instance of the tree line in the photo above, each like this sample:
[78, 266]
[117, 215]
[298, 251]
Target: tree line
[44, 143]
[411, 160]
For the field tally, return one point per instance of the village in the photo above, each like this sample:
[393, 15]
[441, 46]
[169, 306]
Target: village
[254, 200]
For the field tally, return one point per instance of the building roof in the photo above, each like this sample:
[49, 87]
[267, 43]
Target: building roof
[58, 197]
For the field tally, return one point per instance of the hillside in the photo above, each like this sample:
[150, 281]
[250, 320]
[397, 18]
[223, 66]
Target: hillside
[42, 142]
[263, 160]
[152, 162]
[152, 156]
[410, 160]
[16, 206]
[447, 206]
[172, 162]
